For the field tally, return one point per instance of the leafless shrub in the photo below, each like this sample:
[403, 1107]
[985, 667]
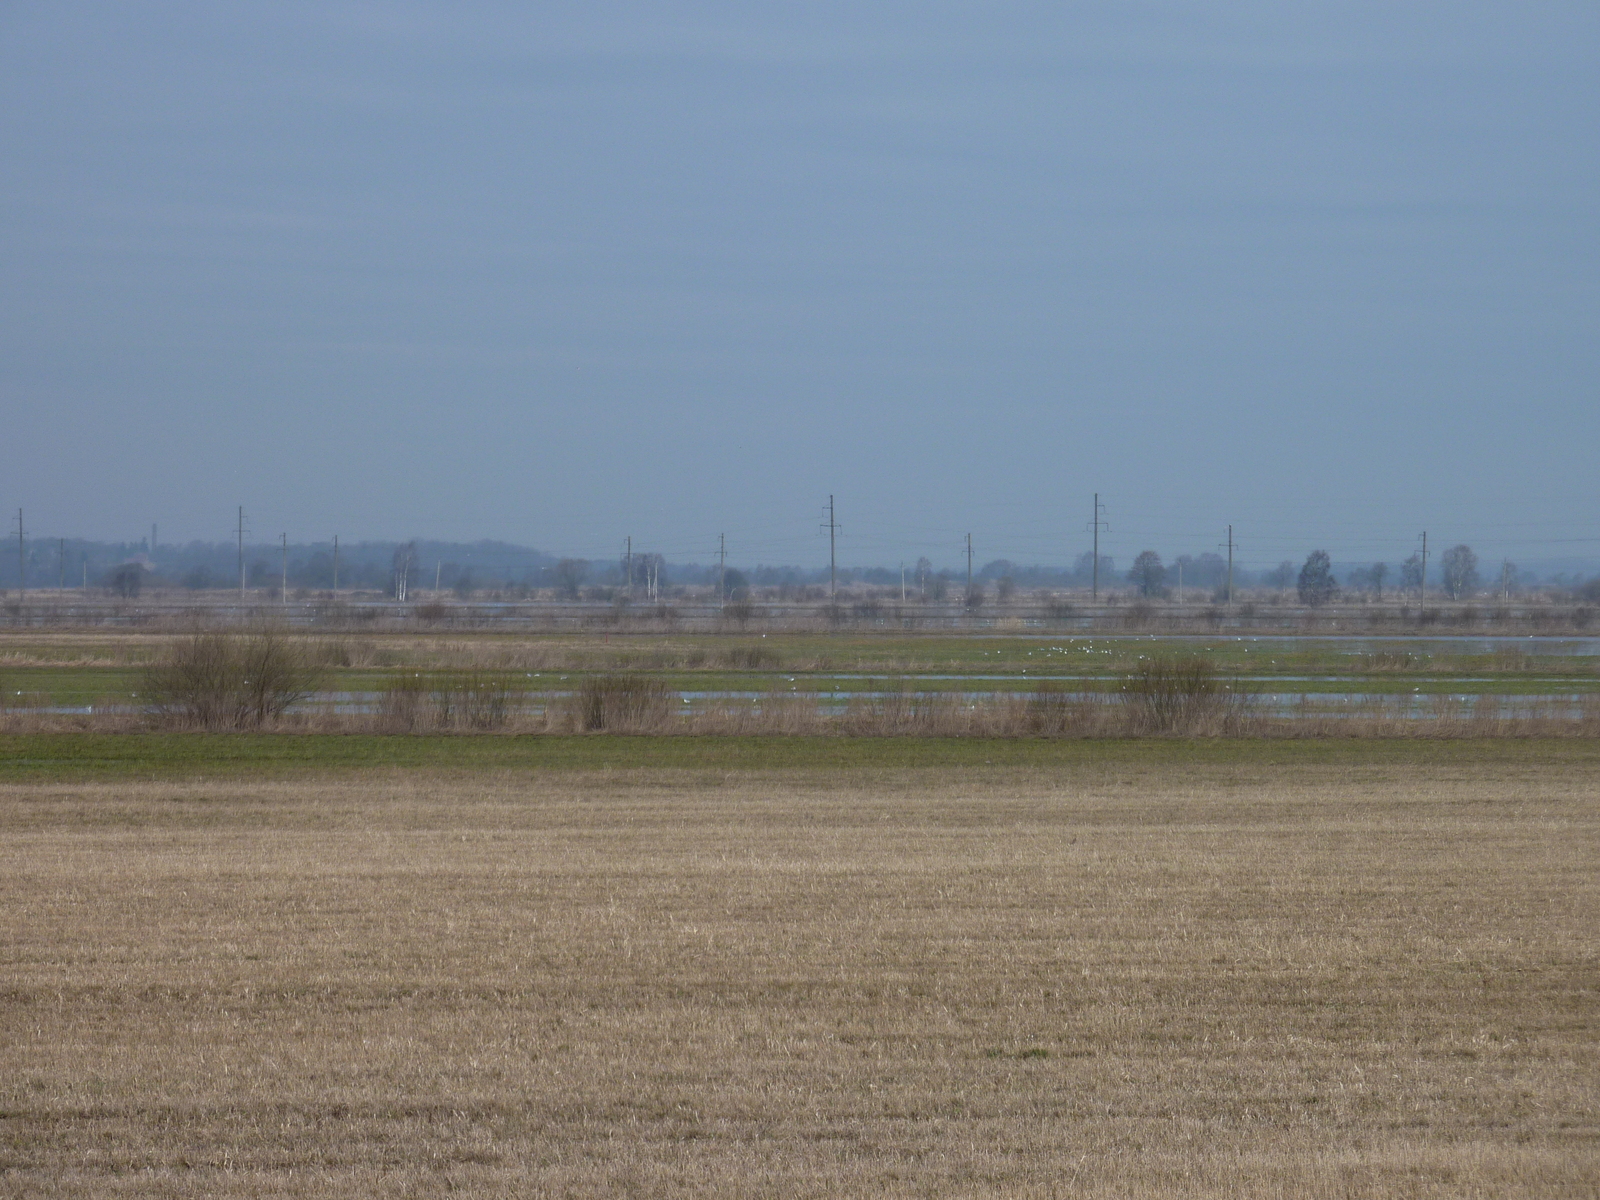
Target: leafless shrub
[621, 704]
[479, 699]
[1178, 695]
[218, 680]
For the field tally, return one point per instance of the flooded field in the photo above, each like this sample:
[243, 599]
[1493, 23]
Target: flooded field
[1282, 677]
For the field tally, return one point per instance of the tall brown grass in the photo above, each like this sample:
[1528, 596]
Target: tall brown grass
[622, 704]
[438, 701]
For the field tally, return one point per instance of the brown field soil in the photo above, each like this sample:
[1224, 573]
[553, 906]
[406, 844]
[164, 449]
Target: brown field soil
[1111, 977]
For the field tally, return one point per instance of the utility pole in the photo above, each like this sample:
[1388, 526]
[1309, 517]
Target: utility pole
[285, 595]
[722, 568]
[336, 566]
[152, 543]
[438, 568]
[22, 559]
[241, 554]
[969, 567]
[1180, 580]
[1230, 564]
[1422, 576]
[61, 565]
[630, 566]
[833, 563]
[1094, 577]
[902, 583]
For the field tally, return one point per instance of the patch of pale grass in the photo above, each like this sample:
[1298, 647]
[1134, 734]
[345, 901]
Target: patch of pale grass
[1117, 981]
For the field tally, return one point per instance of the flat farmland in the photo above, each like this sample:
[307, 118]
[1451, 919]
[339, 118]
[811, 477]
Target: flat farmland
[1111, 973]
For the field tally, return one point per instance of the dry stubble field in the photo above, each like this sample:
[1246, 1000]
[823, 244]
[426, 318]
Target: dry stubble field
[1104, 980]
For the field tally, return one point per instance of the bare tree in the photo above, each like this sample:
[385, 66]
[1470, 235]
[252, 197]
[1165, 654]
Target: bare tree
[1316, 585]
[1376, 573]
[1508, 578]
[1460, 567]
[405, 562]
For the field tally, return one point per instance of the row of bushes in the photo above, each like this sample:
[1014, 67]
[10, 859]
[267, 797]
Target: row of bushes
[250, 681]
[226, 681]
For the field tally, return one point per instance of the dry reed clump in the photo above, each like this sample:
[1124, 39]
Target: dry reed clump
[621, 704]
[751, 658]
[1180, 695]
[1054, 712]
[462, 700]
[212, 680]
[340, 652]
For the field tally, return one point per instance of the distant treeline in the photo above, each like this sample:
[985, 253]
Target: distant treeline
[466, 567]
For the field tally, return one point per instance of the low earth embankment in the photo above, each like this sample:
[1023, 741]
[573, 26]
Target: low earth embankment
[877, 966]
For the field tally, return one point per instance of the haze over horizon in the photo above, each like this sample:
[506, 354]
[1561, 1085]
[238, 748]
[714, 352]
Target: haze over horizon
[558, 277]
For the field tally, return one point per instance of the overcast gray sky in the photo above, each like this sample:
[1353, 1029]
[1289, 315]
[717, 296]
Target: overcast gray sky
[562, 272]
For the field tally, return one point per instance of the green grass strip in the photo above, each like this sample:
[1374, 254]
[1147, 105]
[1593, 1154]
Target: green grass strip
[51, 757]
